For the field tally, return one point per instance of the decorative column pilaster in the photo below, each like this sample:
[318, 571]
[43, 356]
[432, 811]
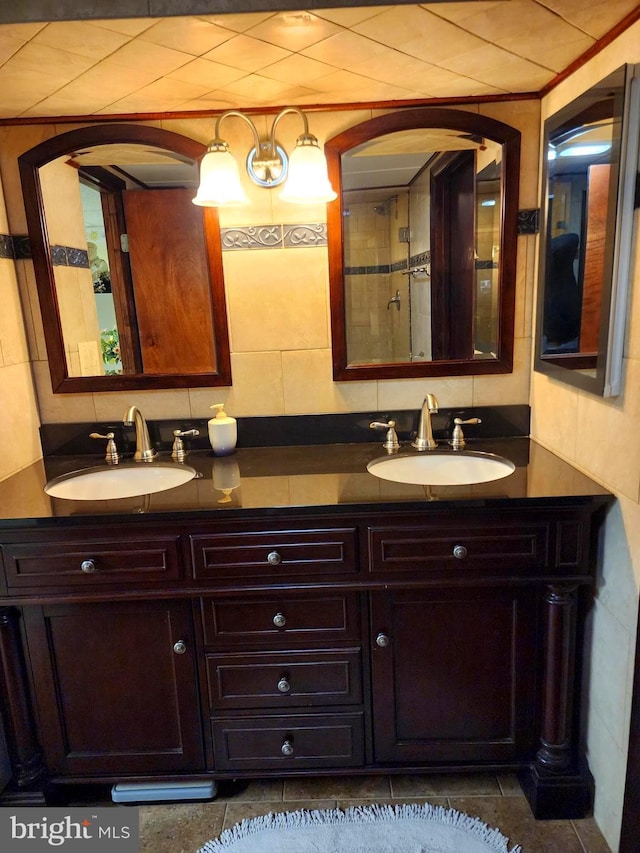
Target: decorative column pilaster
[555, 753]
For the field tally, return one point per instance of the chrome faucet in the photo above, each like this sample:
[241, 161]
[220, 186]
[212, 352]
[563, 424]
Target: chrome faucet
[424, 439]
[144, 451]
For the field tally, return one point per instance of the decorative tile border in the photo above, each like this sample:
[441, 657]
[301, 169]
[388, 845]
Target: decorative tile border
[529, 221]
[69, 256]
[6, 246]
[249, 237]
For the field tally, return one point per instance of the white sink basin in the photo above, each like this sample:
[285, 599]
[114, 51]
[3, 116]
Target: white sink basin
[121, 481]
[448, 468]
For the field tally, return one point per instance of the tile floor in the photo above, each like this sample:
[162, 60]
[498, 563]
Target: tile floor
[498, 801]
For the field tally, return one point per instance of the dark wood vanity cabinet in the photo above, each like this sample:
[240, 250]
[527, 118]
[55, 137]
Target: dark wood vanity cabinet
[453, 674]
[379, 642]
[114, 687]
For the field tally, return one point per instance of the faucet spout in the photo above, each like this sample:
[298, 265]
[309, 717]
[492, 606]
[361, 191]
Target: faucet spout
[144, 451]
[424, 439]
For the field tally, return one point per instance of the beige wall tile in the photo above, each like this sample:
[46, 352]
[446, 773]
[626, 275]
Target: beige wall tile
[31, 310]
[409, 393]
[257, 388]
[154, 405]
[554, 412]
[506, 388]
[293, 30]
[277, 298]
[20, 423]
[603, 427]
[13, 340]
[309, 387]
[60, 408]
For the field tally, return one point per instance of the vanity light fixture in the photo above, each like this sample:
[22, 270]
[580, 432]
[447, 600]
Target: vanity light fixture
[304, 171]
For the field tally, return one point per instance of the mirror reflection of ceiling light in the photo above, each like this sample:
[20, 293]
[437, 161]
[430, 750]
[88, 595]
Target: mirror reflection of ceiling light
[304, 171]
[585, 149]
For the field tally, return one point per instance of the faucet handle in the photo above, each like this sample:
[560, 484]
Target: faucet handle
[112, 457]
[177, 451]
[391, 440]
[457, 437]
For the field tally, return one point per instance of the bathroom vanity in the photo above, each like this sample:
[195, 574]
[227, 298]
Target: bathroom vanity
[311, 620]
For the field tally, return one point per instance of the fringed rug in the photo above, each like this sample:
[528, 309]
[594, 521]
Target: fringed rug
[370, 829]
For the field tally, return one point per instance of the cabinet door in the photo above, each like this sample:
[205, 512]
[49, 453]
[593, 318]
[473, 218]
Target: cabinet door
[454, 674]
[114, 694]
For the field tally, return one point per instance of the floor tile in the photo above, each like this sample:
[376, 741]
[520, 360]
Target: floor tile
[252, 791]
[590, 835]
[444, 785]
[337, 787]
[183, 828]
[514, 820]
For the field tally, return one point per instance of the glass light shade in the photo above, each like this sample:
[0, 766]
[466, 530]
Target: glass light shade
[308, 180]
[219, 180]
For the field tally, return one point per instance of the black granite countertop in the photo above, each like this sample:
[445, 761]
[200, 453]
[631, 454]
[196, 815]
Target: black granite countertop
[297, 480]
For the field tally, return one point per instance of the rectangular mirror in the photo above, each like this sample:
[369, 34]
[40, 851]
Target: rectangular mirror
[590, 164]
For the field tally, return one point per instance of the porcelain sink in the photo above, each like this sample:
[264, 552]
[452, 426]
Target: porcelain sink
[121, 481]
[442, 468]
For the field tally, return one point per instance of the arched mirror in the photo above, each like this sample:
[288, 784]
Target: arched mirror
[128, 270]
[422, 245]
[590, 163]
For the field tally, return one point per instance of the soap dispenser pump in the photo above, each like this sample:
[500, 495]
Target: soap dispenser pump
[223, 432]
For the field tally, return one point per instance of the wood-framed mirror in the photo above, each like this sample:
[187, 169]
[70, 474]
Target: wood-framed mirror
[590, 163]
[422, 245]
[128, 271]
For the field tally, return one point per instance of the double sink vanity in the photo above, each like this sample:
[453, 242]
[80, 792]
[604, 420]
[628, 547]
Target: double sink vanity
[316, 608]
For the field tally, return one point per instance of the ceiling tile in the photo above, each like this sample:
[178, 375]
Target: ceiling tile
[595, 17]
[165, 95]
[82, 38]
[391, 66]
[58, 65]
[207, 73]
[128, 26]
[145, 55]
[240, 22]
[190, 35]
[350, 16]
[344, 49]
[247, 53]
[260, 89]
[492, 65]
[294, 30]
[296, 69]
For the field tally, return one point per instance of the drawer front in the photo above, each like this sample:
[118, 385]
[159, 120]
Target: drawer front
[288, 743]
[519, 548]
[283, 679]
[288, 620]
[274, 554]
[89, 563]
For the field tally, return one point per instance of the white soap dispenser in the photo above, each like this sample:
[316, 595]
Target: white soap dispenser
[223, 432]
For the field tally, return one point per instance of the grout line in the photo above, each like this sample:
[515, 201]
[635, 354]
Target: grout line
[575, 829]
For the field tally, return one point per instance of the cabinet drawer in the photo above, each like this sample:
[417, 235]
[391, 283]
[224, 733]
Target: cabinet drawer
[76, 561]
[289, 619]
[274, 554]
[516, 548]
[282, 679]
[288, 742]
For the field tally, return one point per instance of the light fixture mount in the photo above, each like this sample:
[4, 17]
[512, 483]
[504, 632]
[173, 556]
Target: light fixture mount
[267, 164]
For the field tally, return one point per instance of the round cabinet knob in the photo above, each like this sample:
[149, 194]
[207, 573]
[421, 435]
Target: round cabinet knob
[88, 566]
[180, 647]
[459, 552]
[382, 640]
[283, 685]
[273, 558]
[279, 620]
[287, 748]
